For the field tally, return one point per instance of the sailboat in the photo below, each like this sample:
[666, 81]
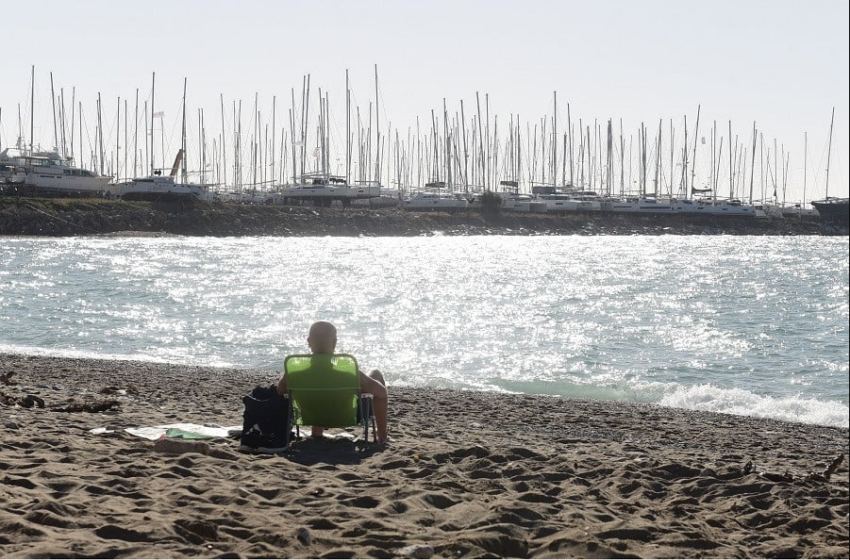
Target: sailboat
[832, 210]
[157, 187]
[27, 171]
[161, 188]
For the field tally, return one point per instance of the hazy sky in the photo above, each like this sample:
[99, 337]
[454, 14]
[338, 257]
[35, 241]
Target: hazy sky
[781, 63]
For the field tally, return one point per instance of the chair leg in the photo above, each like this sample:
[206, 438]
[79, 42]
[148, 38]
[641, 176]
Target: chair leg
[365, 406]
[367, 416]
[290, 424]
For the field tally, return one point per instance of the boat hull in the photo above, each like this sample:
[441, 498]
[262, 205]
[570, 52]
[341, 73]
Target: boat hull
[835, 211]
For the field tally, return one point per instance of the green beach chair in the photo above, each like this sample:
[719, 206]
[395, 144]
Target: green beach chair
[324, 390]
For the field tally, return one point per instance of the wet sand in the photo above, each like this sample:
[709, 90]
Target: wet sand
[467, 475]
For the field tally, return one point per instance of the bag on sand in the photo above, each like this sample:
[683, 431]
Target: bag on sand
[265, 420]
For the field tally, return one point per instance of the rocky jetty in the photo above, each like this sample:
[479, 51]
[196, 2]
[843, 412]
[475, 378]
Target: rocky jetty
[64, 217]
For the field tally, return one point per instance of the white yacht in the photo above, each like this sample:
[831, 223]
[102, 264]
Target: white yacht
[157, 187]
[522, 203]
[49, 173]
[559, 203]
[389, 198]
[732, 207]
[643, 204]
[323, 189]
[435, 201]
[769, 210]
[588, 201]
[691, 207]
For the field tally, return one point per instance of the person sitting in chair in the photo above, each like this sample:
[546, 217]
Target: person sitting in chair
[322, 340]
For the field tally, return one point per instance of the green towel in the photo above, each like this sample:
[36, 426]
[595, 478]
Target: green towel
[178, 433]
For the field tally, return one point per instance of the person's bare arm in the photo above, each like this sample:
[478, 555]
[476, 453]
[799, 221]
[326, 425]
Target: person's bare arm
[281, 386]
[379, 393]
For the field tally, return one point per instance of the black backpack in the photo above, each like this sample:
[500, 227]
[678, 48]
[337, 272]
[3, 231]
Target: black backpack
[266, 418]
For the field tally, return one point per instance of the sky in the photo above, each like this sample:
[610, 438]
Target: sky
[782, 64]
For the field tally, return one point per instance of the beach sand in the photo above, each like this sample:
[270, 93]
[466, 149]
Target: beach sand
[467, 475]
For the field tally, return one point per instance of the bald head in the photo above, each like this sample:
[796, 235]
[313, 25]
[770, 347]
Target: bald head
[322, 338]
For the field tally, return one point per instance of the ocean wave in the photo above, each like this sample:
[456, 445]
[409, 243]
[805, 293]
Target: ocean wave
[741, 402]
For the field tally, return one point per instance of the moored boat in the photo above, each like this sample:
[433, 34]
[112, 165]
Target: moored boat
[832, 210]
[435, 201]
[157, 187]
[322, 189]
[835, 211]
[48, 174]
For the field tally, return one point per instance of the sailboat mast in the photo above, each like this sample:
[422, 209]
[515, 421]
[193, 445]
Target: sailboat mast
[488, 173]
[53, 103]
[555, 139]
[829, 151]
[292, 136]
[185, 173]
[347, 129]
[609, 159]
[480, 135]
[753, 163]
[570, 138]
[465, 150]
[694, 159]
[73, 103]
[117, 137]
[99, 133]
[32, 111]
[658, 158]
[153, 90]
[672, 156]
[305, 108]
[223, 174]
[805, 170]
[731, 173]
[62, 118]
[377, 131]
[126, 134]
[622, 161]
[447, 135]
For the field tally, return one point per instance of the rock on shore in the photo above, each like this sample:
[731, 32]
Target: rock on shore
[63, 217]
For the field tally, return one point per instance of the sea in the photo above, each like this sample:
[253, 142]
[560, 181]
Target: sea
[753, 326]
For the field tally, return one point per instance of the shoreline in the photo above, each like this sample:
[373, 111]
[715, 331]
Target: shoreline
[467, 474]
[70, 217]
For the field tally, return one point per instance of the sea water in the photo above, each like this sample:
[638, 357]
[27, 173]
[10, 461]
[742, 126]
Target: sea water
[754, 326]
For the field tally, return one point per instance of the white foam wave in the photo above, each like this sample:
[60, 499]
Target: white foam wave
[96, 355]
[744, 403]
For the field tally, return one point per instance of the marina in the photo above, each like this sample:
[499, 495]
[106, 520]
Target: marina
[449, 168]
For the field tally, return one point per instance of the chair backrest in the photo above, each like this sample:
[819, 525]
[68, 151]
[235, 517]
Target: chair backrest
[324, 389]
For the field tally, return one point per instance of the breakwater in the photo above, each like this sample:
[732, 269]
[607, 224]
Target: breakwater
[66, 217]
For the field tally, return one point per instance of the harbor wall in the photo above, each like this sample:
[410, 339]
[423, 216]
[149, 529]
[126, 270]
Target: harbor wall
[65, 217]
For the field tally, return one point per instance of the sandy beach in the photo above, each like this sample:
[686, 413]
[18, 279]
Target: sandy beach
[466, 475]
